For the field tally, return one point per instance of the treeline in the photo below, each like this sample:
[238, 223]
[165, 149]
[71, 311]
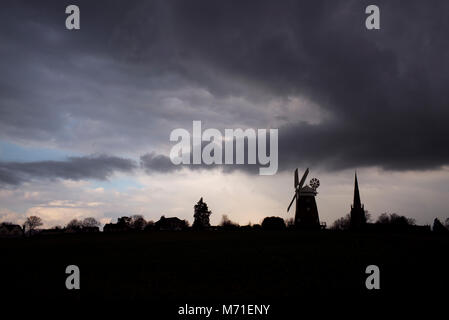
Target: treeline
[393, 221]
[344, 223]
[137, 223]
[134, 223]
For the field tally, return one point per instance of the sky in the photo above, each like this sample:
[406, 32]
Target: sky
[86, 115]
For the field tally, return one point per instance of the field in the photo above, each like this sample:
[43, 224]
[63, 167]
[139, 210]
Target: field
[223, 266]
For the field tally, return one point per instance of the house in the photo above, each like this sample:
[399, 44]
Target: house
[8, 230]
[172, 224]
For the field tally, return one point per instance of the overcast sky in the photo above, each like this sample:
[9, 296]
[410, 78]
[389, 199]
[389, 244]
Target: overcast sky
[86, 115]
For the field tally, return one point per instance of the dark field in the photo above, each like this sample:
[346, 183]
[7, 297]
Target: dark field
[217, 267]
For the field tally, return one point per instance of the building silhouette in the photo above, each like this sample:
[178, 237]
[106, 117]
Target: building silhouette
[358, 217]
[306, 213]
[170, 224]
[8, 230]
[306, 209]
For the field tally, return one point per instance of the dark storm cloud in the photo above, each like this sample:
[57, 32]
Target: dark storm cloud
[159, 163]
[385, 91]
[152, 162]
[75, 168]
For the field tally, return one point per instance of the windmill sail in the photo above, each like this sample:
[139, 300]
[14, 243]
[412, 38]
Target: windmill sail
[298, 185]
[294, 197]
[296, 178]
[303, 177]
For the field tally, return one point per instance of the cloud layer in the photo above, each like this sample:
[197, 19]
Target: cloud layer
[341, 96]
[74, 168]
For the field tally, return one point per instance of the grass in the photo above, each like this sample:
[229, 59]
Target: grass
[223, 266]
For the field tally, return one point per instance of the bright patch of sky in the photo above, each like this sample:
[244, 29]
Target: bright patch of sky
[14, 152]
[120, 184]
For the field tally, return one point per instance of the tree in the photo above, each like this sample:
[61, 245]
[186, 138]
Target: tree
[290, 222]
[395, 219]
[342, 223]
[201, 215]
[90, 222]
[273, 223]
[149, 226]
[32, 223]
[438, 227]
[124, 222]
[368, 217]
[138, 222]
[74, 224]
[384, 218]
[226, 223]
[401, 220]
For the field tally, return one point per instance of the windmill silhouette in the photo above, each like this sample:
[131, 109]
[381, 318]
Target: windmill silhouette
[306, 214]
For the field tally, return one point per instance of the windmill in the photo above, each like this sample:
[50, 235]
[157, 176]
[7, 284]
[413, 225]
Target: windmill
[306, 214]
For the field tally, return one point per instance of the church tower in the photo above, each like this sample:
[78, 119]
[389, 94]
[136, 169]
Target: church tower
[358, 218]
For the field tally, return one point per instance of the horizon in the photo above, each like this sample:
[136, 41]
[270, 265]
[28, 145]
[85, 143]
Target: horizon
[86, 115]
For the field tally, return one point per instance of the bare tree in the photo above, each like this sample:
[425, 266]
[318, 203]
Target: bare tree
[124, 222]
[368, 217]
[149, 225]
[90, 222]
[438, 227]
[32, 223]
[395, 219]
[342, 223]
[138, 222]
[74, 224]
[384, 218]
[226, 223]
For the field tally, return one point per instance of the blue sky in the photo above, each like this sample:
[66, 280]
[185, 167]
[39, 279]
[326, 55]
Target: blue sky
[10, 151]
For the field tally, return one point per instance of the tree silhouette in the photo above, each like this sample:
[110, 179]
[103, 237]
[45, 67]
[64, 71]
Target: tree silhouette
[32, 223]
[439, 227]
[90, 222]
[74, 224]
[124, 222]
[201, 215]
[226, 223]
[138, 222]
[290, 222]
[342, 223]
[395, 219]
[273, 223]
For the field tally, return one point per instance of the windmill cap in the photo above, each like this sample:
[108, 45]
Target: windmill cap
[307, 189]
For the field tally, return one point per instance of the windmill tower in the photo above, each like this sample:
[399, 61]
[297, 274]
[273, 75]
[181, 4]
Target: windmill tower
[306, 215]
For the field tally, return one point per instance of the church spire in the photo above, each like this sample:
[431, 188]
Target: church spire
[358, 217]
[356, 204]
